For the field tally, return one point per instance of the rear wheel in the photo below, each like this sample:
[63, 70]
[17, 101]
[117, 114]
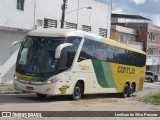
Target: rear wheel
[133, 88]
[126, 91]
[130, 94]
[41, 95]
[77, 91]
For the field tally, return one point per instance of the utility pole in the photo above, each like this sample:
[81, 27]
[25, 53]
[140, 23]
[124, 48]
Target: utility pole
[77, 13]
[64, 7]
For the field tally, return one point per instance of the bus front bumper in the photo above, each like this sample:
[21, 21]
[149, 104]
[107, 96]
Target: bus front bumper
[47, 89]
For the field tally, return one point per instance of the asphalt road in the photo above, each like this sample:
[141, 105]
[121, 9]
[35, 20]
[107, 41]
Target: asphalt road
[107, 102]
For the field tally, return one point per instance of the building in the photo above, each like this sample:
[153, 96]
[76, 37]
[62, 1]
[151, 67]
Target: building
[126, 36]
[17, 17]
[147, 33]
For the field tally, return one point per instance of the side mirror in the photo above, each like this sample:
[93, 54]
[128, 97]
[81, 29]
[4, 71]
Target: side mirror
[14, 44]
[59, 49]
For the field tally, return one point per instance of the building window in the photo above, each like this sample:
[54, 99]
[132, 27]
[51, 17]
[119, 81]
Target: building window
[71, 25]
[103, 32]
[152, 36]
[48, 23]
[86, 28]
[20, 4]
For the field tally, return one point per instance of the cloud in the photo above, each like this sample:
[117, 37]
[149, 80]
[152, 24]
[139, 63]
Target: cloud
[156, 0]
[118, 11]
[156, 20]
[138, 2]
[145, 8]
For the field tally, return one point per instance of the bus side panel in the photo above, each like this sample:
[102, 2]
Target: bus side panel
[97, 76]
[124, 73]
[104, 74]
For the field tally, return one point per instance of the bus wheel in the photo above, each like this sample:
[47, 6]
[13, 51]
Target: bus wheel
[41, 95]
[130, 93]
[77, 91]
[126, 91]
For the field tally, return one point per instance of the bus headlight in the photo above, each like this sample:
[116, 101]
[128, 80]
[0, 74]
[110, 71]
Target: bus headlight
[15, 78]
[53, 79]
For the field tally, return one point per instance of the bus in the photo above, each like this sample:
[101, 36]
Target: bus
[73, 62]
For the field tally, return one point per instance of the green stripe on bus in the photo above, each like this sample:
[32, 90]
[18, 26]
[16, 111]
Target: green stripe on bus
[108, 74]
[104, 74]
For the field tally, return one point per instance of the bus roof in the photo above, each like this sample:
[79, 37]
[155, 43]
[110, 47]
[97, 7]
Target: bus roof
[52, 32]
[117, 44]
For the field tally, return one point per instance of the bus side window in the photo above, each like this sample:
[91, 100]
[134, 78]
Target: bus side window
[110, 54]
[67, 57]
[88, 50]
[68, 53]
[101, 51]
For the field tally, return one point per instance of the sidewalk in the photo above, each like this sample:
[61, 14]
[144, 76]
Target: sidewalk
[6, 87]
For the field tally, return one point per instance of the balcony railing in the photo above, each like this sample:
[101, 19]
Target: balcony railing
[153, 60]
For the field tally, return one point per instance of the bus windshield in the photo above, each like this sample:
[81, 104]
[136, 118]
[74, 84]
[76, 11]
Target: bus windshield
[37, 56]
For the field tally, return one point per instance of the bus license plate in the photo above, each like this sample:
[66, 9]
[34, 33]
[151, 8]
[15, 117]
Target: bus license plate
[29, 88]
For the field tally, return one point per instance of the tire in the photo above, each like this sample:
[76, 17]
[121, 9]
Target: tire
[41, 95]
[126, 91]
[133, 87]
[130, 94]
[150, 80]
[77, 93]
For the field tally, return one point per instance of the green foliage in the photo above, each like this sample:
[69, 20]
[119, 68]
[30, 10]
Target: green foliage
[13, 91]
[151, 98]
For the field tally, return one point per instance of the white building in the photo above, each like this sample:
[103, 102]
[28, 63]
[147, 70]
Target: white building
[17, 17]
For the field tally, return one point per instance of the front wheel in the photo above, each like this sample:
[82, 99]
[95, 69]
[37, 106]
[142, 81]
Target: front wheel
[77, 93]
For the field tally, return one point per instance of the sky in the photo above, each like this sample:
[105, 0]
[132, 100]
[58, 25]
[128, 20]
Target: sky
[146, 8]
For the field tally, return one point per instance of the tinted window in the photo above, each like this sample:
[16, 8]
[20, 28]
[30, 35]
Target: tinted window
[68, 53]
[88, 50]
[120, 56]
[37, 55]
[149, 73]
[100, 51]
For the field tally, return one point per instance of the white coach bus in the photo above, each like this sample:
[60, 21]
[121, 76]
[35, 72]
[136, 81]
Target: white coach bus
[72, 62]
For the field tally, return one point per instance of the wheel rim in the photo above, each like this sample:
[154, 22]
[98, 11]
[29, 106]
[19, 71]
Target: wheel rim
[126, 91]
[77, 91]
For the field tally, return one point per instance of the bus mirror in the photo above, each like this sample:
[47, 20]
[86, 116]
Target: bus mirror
[14, 44]
[60, 48]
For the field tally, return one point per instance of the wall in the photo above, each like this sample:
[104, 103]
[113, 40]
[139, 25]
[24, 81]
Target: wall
[11, 17]
[156, 43]
[97, 17]
[6, 39]
[126, 36]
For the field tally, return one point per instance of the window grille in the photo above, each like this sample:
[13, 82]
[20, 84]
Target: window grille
[103, 32]
[71, 25]
[86, 28]
[50, 23]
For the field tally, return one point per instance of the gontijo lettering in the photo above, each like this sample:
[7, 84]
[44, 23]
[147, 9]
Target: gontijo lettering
[126, 70]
